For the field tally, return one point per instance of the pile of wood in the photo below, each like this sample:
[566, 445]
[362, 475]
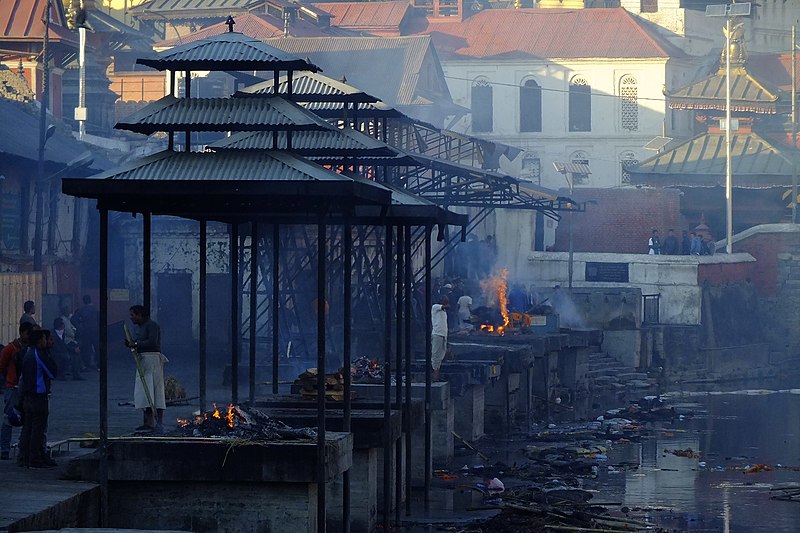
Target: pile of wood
[306, 385]
[240, 422]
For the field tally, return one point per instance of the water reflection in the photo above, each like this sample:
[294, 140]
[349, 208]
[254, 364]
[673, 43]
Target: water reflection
[730, 431]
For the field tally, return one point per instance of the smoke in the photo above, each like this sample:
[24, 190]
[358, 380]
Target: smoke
[567, 311]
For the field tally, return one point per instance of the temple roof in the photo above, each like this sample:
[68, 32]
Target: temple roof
[700, 162]
[748, 93]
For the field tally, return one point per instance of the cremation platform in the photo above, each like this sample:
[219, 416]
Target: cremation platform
[215, 485]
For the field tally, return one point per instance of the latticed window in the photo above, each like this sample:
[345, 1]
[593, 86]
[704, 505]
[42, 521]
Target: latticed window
[629, 93]
[532, 167]
[627, 160]
[482, 106]
[580, 105]
[530, 106]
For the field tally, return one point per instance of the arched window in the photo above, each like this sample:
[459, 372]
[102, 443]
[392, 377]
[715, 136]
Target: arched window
[629, 95]
[530, 106]
[481, 106]
[581, 158]
[627, 160]
[532, 167]
[580, 105]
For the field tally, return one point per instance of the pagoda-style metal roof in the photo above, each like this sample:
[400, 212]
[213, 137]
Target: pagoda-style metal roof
[700, 162]
[225, 185]
[222, 114]
[334, 147]
[748, 94]
[324, 96]
[224, 52]
[406, 205]
[308, 143]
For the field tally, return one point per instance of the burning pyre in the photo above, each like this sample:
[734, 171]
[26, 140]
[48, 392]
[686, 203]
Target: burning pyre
[238, 422]
[366, 370]
[495, 289]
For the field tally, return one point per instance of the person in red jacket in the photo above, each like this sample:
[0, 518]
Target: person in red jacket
[8, 369]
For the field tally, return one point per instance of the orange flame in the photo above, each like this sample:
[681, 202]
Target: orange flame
[216, 414]
[495, 289]
[229, 416]
[183, 422]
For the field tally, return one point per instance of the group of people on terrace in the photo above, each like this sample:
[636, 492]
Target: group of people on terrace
[690, 243]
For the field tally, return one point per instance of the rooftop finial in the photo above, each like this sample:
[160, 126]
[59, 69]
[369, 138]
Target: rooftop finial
[230, 22]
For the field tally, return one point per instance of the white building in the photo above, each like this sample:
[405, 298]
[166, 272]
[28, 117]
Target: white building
[570, 86]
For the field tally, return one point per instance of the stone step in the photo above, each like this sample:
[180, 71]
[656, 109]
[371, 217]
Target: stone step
[640, 384]
[600, 365]
[604, 380]
[628, 376]
[592, 374]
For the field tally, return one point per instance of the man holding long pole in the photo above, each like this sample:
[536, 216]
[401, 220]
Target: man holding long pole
[148, 389]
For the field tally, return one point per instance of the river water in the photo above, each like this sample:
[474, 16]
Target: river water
[731, 431]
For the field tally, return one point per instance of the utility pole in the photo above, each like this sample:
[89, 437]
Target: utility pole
[794, 124]
[39, 184]
[728, 173]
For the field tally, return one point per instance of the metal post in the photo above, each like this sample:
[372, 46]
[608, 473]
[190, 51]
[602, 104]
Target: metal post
[409, 293]
[39, 185]
[103, 367]
[347, 273]
[570, 264]
[147, 250]
[321, 466]
[276, 246]
[253, 310]
[82, 81]
[428, 369]
[398, 344]
[794, 124]
[234, 270]
[728, 176]
[202, 313]
[387, 374]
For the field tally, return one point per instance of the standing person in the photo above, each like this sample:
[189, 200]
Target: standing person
[517, 299]
[8, 368]
[465, 313]
[654, 245]
[87, 321]
[66, 351]
[147, 341]
[709, 246]
[38, 369]
[670, 244]
[686, 243]
[697, 244]
[29, 309]
[439, 334]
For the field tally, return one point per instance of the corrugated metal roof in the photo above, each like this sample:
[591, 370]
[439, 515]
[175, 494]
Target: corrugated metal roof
[383, 17]
[387, 67]
[324, 95]
[173, 6]
[226, 165]
[573, 168]
[226, 51]
[549, 33]
[748, 94]
[346, 141]
[222, 114]
[701, 162]
[23, 20]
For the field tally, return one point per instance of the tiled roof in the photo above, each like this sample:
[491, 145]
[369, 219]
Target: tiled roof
[258, 26]
[22, 20]
[388, 68]
[222, 114]
[379, 18]
[189, 7]
[777, 68]
[701, 162]
[226, 51]
[549, 33]
[748, 94]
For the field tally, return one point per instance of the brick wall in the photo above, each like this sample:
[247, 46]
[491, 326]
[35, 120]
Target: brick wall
[723, 273]
[622, 221]
[766, 247]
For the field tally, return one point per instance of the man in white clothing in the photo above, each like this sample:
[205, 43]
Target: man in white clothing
[438, 334]
[465, 313]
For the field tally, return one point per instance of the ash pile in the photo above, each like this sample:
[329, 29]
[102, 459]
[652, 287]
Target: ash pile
[237, 422]
[366, 370]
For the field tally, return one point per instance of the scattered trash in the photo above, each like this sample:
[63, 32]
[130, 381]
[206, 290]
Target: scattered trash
[688, 452]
